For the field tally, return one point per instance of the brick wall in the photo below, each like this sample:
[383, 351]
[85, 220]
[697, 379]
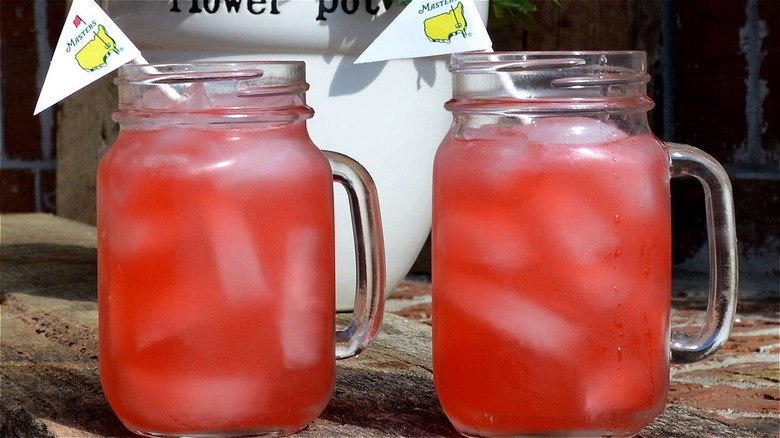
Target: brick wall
[716, 85]
[28, 31]
[722, 94]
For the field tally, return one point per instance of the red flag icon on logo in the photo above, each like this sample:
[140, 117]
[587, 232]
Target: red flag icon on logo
[77, 21]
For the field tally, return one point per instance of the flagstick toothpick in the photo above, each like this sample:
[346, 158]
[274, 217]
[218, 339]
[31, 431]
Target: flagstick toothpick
[505, 78]
[169, 91]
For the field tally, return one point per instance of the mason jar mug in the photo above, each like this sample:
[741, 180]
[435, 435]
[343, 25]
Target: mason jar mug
[552, 248]
[216, 253]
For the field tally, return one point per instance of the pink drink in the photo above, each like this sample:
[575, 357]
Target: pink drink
[216, 276]
[551, 270]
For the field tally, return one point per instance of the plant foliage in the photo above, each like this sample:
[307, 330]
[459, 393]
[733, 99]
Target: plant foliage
[504, 12]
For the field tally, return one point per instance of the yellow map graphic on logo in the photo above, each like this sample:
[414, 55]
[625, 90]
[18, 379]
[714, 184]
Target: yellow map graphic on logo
[94, 54]
[441, 28]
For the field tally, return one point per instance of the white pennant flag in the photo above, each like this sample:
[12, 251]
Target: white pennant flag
[91, 46]
[428, 28]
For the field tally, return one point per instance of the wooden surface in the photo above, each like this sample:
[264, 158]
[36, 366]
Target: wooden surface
[49, 385]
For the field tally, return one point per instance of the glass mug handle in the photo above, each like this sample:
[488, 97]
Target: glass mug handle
[369, 252]
[721, 232]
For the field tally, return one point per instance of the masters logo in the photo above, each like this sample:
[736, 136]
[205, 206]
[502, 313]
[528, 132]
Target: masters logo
[442, 27]
[93, 54]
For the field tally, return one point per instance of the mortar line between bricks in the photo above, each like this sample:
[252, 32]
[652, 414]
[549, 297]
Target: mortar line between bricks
[398, 304]
[731, 414]
[767, 348]
[725, 362]
[709, 382]
[761, 332]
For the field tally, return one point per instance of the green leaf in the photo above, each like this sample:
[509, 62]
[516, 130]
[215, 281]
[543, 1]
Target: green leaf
[519, 11]
[526, 21]
[514, 6]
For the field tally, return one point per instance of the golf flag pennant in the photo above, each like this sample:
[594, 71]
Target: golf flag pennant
[91, 46]
[428, 28]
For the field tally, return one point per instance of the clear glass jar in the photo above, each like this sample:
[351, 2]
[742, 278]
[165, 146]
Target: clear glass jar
[552, 248]
[216, 253]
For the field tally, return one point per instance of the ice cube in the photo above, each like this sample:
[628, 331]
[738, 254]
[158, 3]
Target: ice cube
[617, 384]
[640, 185]
[304, 312]
[168, 393]
[233, 250]
[489, 237]
[571, 130]
[492, 159]
[134, 236]
[636, 273]
[490, 132]
[258, 161]
[578, 228]
[136, 216]
[518, 316]
[172, 308]
[527, 351]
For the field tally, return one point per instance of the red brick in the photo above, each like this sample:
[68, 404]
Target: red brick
[410, 289]
[757, 228]
[769, 12]
[581, 25]
[57, 12]
[576, 25]
[760, 376]
[756, 206]
[417, 312]
[17, 191]
[693, 316]
[48, 190]
[406, 293]
[710, 76]
[689, 230]
[723, 397]
[19, 63]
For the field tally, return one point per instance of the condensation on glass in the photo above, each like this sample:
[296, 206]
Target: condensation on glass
[552, 248]
[216, 253]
